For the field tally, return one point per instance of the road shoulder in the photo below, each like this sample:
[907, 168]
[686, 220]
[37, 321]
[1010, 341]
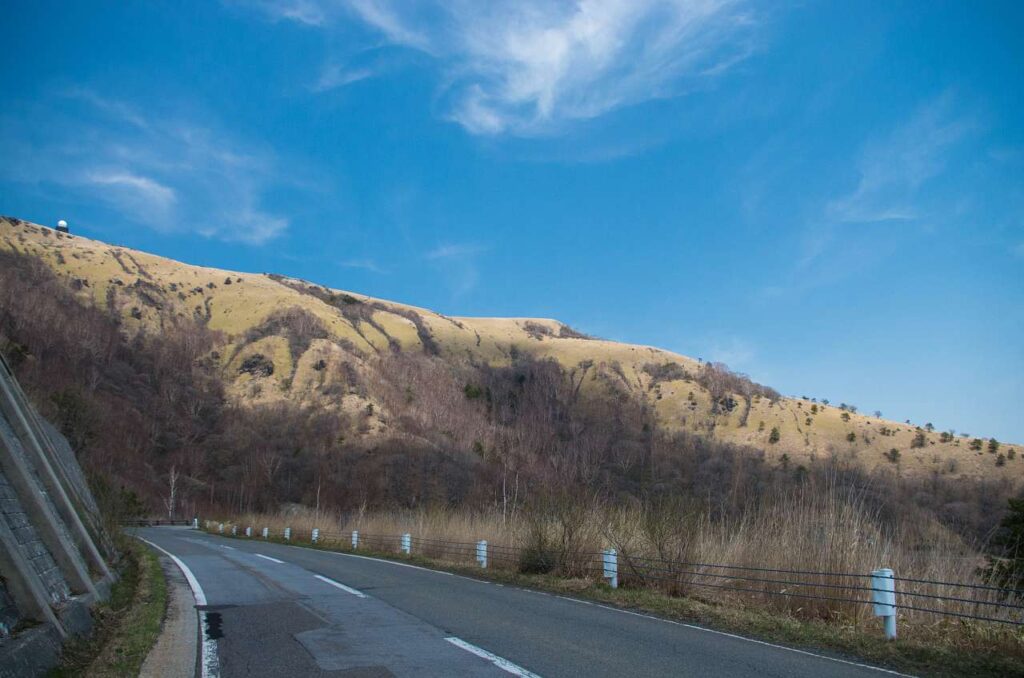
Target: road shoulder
[174, 653]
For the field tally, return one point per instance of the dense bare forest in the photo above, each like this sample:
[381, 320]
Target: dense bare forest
[149, 409]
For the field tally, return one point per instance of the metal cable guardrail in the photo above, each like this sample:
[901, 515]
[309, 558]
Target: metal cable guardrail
[849, 587]
[881, 589]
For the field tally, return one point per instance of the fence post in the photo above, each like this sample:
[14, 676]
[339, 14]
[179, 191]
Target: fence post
[355, 539]
[315, 537]
[222, 528]
[610, 560]
[883, 595]
[248, 531]
[266, 532]
[287, 534]
[481, 553]
[407, 543]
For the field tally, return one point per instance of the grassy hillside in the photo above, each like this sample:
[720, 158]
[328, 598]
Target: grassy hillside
[283, 339]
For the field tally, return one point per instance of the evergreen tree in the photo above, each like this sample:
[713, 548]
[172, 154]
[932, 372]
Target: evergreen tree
[1007, 568]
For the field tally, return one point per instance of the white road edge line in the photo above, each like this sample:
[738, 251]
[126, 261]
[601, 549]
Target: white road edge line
[209, 664]
[273, 560]
[500, 662]
[339, 585]
[640, 614]
[738, 637]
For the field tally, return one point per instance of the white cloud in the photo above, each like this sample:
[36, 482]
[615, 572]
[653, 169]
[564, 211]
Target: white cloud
[534, 66]
[158, 171]
[335, 75]
[734, 352]
[137, 191]
[454, 251]
[894, 168]
[457, 264]
[393, 21]
[365, 264]
[307, 12]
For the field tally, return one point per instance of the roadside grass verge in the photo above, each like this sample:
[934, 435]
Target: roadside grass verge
[944, 648]
[127, 624]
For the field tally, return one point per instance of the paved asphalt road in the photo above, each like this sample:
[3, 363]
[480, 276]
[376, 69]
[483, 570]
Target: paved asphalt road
[276, 610]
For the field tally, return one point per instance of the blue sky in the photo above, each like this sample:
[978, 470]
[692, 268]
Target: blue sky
[827, 196]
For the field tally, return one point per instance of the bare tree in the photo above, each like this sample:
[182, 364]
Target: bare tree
[172, 495]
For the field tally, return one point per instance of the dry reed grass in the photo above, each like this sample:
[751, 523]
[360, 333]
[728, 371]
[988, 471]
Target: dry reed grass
[671, 548]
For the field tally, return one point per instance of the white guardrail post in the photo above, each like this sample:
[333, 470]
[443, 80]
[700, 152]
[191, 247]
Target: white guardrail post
[883, 596]
[406, 543]
[315, 536]
[266, 532]
[481, 553]
[287, 534]
[248, 531]
[355, 539]
[610, 560]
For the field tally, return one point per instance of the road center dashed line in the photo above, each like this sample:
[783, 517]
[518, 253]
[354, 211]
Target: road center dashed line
[273, 560]
[500, 662]
[606, 607]
[339, 585]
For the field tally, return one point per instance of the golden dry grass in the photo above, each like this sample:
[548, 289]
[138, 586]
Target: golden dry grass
[111, 273]
[678, 552]
[824, 533]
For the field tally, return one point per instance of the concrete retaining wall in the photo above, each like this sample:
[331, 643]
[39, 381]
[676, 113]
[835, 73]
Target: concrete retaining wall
[51, 571]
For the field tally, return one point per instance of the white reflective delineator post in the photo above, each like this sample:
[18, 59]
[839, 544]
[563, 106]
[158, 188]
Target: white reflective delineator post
[883, 596]
[407, 543]
[610, 560]
[234, 530]
[248, 531]
[315, 536]
[355, 539]
[287, 534]
[266, 532]
[481, 553]
[195, 523]
[222, 528]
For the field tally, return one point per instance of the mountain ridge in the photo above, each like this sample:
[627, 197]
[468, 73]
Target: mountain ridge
[286, 339]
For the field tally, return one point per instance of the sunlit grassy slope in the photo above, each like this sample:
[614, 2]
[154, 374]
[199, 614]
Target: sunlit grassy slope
[148, 292]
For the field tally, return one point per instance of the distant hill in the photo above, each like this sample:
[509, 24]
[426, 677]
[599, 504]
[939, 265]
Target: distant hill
[281, 339]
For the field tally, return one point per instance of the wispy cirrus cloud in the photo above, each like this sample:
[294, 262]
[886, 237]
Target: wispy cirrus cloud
[454, 251]
[894, 168]
[733, 351]
[307, 12]
[458, 265]
[336, 75]
[897, 173]
[158, 171]
[364, 264]
[533, 67]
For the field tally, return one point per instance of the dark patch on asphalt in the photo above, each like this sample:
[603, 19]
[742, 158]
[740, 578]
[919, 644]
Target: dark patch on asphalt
[214, 630]
[259, 640]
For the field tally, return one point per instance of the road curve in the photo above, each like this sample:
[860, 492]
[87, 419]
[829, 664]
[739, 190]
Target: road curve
[277, 610]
